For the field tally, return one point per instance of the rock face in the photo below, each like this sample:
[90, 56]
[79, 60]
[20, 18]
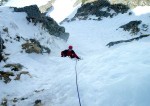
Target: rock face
[34, 46]
[132, 27]
[132, 3]
[7, 76]
[135, 27]
[1, 45]
[4, 102]
[38, 103]
[34, 15]
[100, 9]
[3, 1]
[14, 67]
[125, 41]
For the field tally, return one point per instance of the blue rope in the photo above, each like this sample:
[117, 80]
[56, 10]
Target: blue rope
[77, 84]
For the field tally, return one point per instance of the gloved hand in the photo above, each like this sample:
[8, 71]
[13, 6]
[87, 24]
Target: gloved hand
[78, 58]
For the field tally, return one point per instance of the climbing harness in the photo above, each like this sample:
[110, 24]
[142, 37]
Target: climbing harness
[77, 83]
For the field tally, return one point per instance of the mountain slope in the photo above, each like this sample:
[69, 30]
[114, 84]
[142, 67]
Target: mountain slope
[116, 76]
[26, 86]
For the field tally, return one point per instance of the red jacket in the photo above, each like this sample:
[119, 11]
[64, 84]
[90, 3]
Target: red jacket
[70, 54]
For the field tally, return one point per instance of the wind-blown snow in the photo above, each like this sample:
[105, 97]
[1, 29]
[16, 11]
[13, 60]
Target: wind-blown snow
[116, 76]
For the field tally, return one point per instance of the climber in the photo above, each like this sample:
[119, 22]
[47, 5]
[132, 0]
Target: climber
[69, 52]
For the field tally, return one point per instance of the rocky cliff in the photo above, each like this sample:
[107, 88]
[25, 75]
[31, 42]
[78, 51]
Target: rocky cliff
[35, 16]
[130, 3]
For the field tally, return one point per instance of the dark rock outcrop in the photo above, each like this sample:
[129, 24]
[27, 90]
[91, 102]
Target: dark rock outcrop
[38, 103]
[34, 15]
[3, 2]
[125, 41]
[34, 46]
[2, 46]
[4, 102]
[119, 8]
[132, 3]
[132, 27]
[14, 67]
[14, 72]
[5, 76]
[100, 9]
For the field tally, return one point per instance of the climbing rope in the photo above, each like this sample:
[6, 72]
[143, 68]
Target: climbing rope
[1, 45]
[77, 83]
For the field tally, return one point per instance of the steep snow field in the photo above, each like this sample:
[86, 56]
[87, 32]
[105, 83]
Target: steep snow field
[116, 76]
[40, 66]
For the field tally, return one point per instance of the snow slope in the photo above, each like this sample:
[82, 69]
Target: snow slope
[116, 76]
[26, 86]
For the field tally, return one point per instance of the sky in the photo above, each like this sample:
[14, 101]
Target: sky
[22, 3]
